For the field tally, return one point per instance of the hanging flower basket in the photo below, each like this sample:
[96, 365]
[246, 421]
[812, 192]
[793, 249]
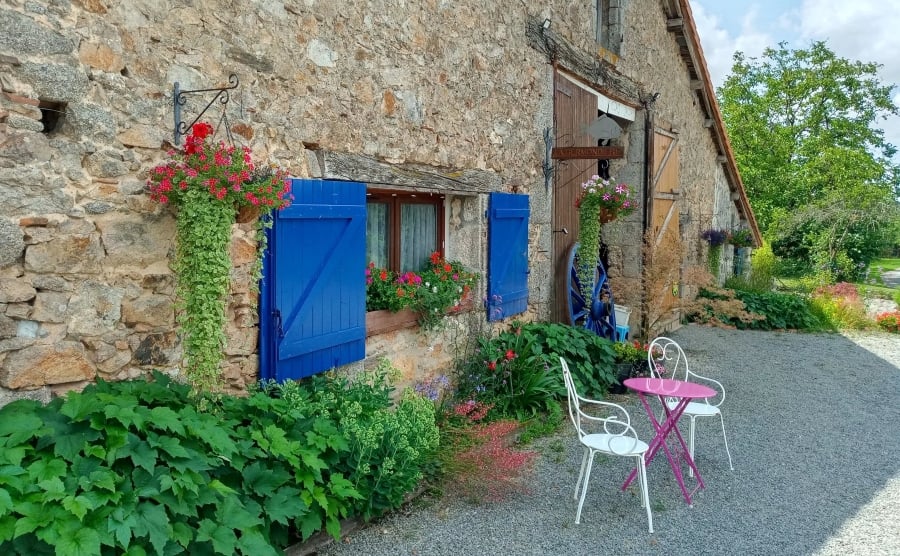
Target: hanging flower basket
[601, 201]
[607, 215]
[210, 184]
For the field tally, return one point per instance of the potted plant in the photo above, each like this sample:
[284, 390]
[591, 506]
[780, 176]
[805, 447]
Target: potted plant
[740, 238]
[716, 238]
[441, 287]
[601, 201]
[630, 362]
[208, 183]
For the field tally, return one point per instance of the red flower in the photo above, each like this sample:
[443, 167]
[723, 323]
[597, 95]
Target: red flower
[492, 365]
[383, 275]
[201, 130]
[510, 355]
[435, 258]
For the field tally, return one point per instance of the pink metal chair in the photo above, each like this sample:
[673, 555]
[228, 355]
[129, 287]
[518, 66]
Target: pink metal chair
[617, 438]
[667, 360]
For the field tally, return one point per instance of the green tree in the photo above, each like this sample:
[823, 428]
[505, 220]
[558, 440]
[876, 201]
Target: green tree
[817, 168]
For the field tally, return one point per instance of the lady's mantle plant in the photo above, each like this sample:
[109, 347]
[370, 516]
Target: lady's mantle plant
[207, 183]
[600, 201]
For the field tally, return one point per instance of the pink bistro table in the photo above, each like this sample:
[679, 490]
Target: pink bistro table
[682, 392]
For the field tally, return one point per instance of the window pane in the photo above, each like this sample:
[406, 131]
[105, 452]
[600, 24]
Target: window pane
[418, 235]
[377, 233]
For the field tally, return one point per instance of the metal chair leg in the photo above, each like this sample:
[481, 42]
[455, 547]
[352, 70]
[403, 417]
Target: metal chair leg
[727, 451]
[691, 444]
[587, 477]
[581, 474]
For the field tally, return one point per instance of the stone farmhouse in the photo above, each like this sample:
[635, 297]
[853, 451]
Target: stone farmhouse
[460, 113]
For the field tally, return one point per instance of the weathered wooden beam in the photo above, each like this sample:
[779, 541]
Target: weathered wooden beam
[587, 153]
[708, 122]
[696, 84]
[721, 159]
[356, 167]
[675, 23]
[581, 63]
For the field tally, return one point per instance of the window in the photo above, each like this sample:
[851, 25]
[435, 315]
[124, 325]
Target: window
[403, 229]
[610, 15]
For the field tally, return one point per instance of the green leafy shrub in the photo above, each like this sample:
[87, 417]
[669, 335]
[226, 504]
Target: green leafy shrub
[781, 311]
[388, 446]
[841, 305]
[761, 278]
[754, 310]
[591, 358]
[133, 467]
[505, 373]
[517, 371]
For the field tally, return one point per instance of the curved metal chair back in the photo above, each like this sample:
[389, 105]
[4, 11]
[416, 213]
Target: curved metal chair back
[617, 438]
[666, 359]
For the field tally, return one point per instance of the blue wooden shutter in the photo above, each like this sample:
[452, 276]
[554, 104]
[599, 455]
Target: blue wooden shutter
[507, 292]
[314, 288]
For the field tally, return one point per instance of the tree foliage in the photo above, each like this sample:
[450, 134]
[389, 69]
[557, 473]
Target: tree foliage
[804, 125]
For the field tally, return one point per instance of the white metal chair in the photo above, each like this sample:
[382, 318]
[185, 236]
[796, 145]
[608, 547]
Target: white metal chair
[667, 360]
[618, 439]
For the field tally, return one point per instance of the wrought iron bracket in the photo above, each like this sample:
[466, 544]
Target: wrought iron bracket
[548, 167]
[179, 99]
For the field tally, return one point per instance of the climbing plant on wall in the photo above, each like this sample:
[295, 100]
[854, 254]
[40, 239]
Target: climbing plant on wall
[207, 183]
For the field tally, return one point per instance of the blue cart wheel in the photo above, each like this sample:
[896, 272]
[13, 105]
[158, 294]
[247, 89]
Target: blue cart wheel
[600, 317]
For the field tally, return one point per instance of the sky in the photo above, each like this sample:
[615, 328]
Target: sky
[863, 30]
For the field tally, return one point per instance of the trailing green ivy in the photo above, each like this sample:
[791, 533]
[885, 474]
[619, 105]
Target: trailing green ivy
[208, 183]
[202, 264]
[715, 256]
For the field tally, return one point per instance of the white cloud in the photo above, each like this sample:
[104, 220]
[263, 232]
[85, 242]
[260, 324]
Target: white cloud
[719, 45]
[863, 30]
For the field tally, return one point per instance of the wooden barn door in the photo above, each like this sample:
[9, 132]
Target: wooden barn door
[666, 266]
[574, 109]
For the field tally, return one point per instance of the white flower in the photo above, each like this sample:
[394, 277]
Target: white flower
[427, 285]
[434, 289]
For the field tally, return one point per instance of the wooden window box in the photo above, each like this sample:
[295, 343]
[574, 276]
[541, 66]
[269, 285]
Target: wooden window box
[384, 321]
[380, 322]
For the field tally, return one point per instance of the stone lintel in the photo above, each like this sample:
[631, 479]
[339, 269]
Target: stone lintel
[348, 166]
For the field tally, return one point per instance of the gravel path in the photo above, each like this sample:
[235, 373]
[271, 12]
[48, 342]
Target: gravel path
[811, 422]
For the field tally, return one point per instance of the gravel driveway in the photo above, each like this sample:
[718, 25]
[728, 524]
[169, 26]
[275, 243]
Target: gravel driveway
[812, 425]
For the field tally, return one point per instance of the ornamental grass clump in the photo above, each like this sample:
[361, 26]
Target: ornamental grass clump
[477, 459]
[889, 321]
[841, 306]
[207, 183]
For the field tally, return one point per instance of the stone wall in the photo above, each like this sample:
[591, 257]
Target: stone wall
[86, 288]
